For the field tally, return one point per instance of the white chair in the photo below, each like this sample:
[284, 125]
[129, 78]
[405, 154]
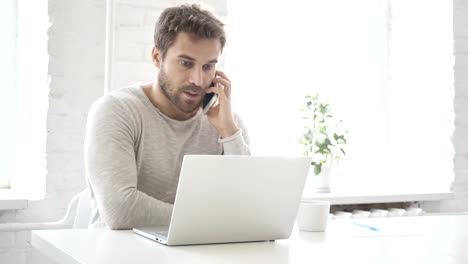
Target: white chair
[83, 210]
[82, 216]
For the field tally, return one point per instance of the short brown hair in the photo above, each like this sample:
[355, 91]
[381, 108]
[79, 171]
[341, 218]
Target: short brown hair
[186, 18]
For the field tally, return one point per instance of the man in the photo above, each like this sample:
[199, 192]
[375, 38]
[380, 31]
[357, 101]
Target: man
[136, 137]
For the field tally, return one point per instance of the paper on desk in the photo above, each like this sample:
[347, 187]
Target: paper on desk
[387, 228]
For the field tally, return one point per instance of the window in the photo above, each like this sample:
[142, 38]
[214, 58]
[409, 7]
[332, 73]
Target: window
[9, 98]
[385, 66]
[24, 100]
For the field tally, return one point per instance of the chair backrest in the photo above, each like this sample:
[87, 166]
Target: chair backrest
[83, 210]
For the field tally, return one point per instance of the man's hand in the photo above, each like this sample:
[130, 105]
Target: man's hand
[220, 116]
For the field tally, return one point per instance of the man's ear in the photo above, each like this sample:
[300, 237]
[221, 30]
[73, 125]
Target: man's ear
[157, 57]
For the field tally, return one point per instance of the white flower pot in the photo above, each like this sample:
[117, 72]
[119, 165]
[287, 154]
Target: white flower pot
[320, 183]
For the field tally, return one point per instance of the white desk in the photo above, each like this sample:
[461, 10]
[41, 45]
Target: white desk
[422, 239]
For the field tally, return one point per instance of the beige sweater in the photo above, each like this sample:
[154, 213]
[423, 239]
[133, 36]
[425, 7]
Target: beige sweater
[133, 155]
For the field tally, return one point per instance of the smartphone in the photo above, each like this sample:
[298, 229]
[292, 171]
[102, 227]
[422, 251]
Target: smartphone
[209, 100]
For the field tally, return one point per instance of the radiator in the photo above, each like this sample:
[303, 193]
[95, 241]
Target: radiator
[390, 212]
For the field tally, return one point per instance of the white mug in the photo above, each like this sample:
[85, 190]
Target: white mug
[313, 215]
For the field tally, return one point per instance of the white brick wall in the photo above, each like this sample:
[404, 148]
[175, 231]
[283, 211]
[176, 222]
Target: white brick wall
[460, 136]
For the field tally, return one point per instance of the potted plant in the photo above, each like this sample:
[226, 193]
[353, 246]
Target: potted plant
[323, 138]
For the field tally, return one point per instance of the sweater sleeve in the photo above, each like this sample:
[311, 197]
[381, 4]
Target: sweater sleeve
[110, 165]
[237, 144]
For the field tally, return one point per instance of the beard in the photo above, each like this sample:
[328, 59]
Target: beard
[174, 94]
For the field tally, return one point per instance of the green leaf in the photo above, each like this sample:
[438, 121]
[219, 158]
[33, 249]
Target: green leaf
[339, 138]
[322, 136]
[317, 169]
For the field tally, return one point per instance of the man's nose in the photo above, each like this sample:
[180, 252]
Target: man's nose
[196, 77]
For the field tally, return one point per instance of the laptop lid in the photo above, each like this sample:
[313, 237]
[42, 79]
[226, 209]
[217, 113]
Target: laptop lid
[224, 198]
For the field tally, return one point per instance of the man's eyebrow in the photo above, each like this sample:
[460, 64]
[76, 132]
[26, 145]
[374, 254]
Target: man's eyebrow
[183, 56]
[186, 57]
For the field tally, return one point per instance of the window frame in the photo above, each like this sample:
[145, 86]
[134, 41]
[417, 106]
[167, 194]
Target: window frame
[265, 118]
[28, 181]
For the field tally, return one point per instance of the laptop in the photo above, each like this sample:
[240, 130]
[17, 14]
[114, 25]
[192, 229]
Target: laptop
[230, 198]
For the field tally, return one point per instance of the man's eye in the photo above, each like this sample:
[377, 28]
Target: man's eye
[186, 63]
[208, 67]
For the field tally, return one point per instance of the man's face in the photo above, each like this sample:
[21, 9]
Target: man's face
[187, 70]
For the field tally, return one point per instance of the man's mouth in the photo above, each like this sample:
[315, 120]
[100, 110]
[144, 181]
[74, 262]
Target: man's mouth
[192, 94]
